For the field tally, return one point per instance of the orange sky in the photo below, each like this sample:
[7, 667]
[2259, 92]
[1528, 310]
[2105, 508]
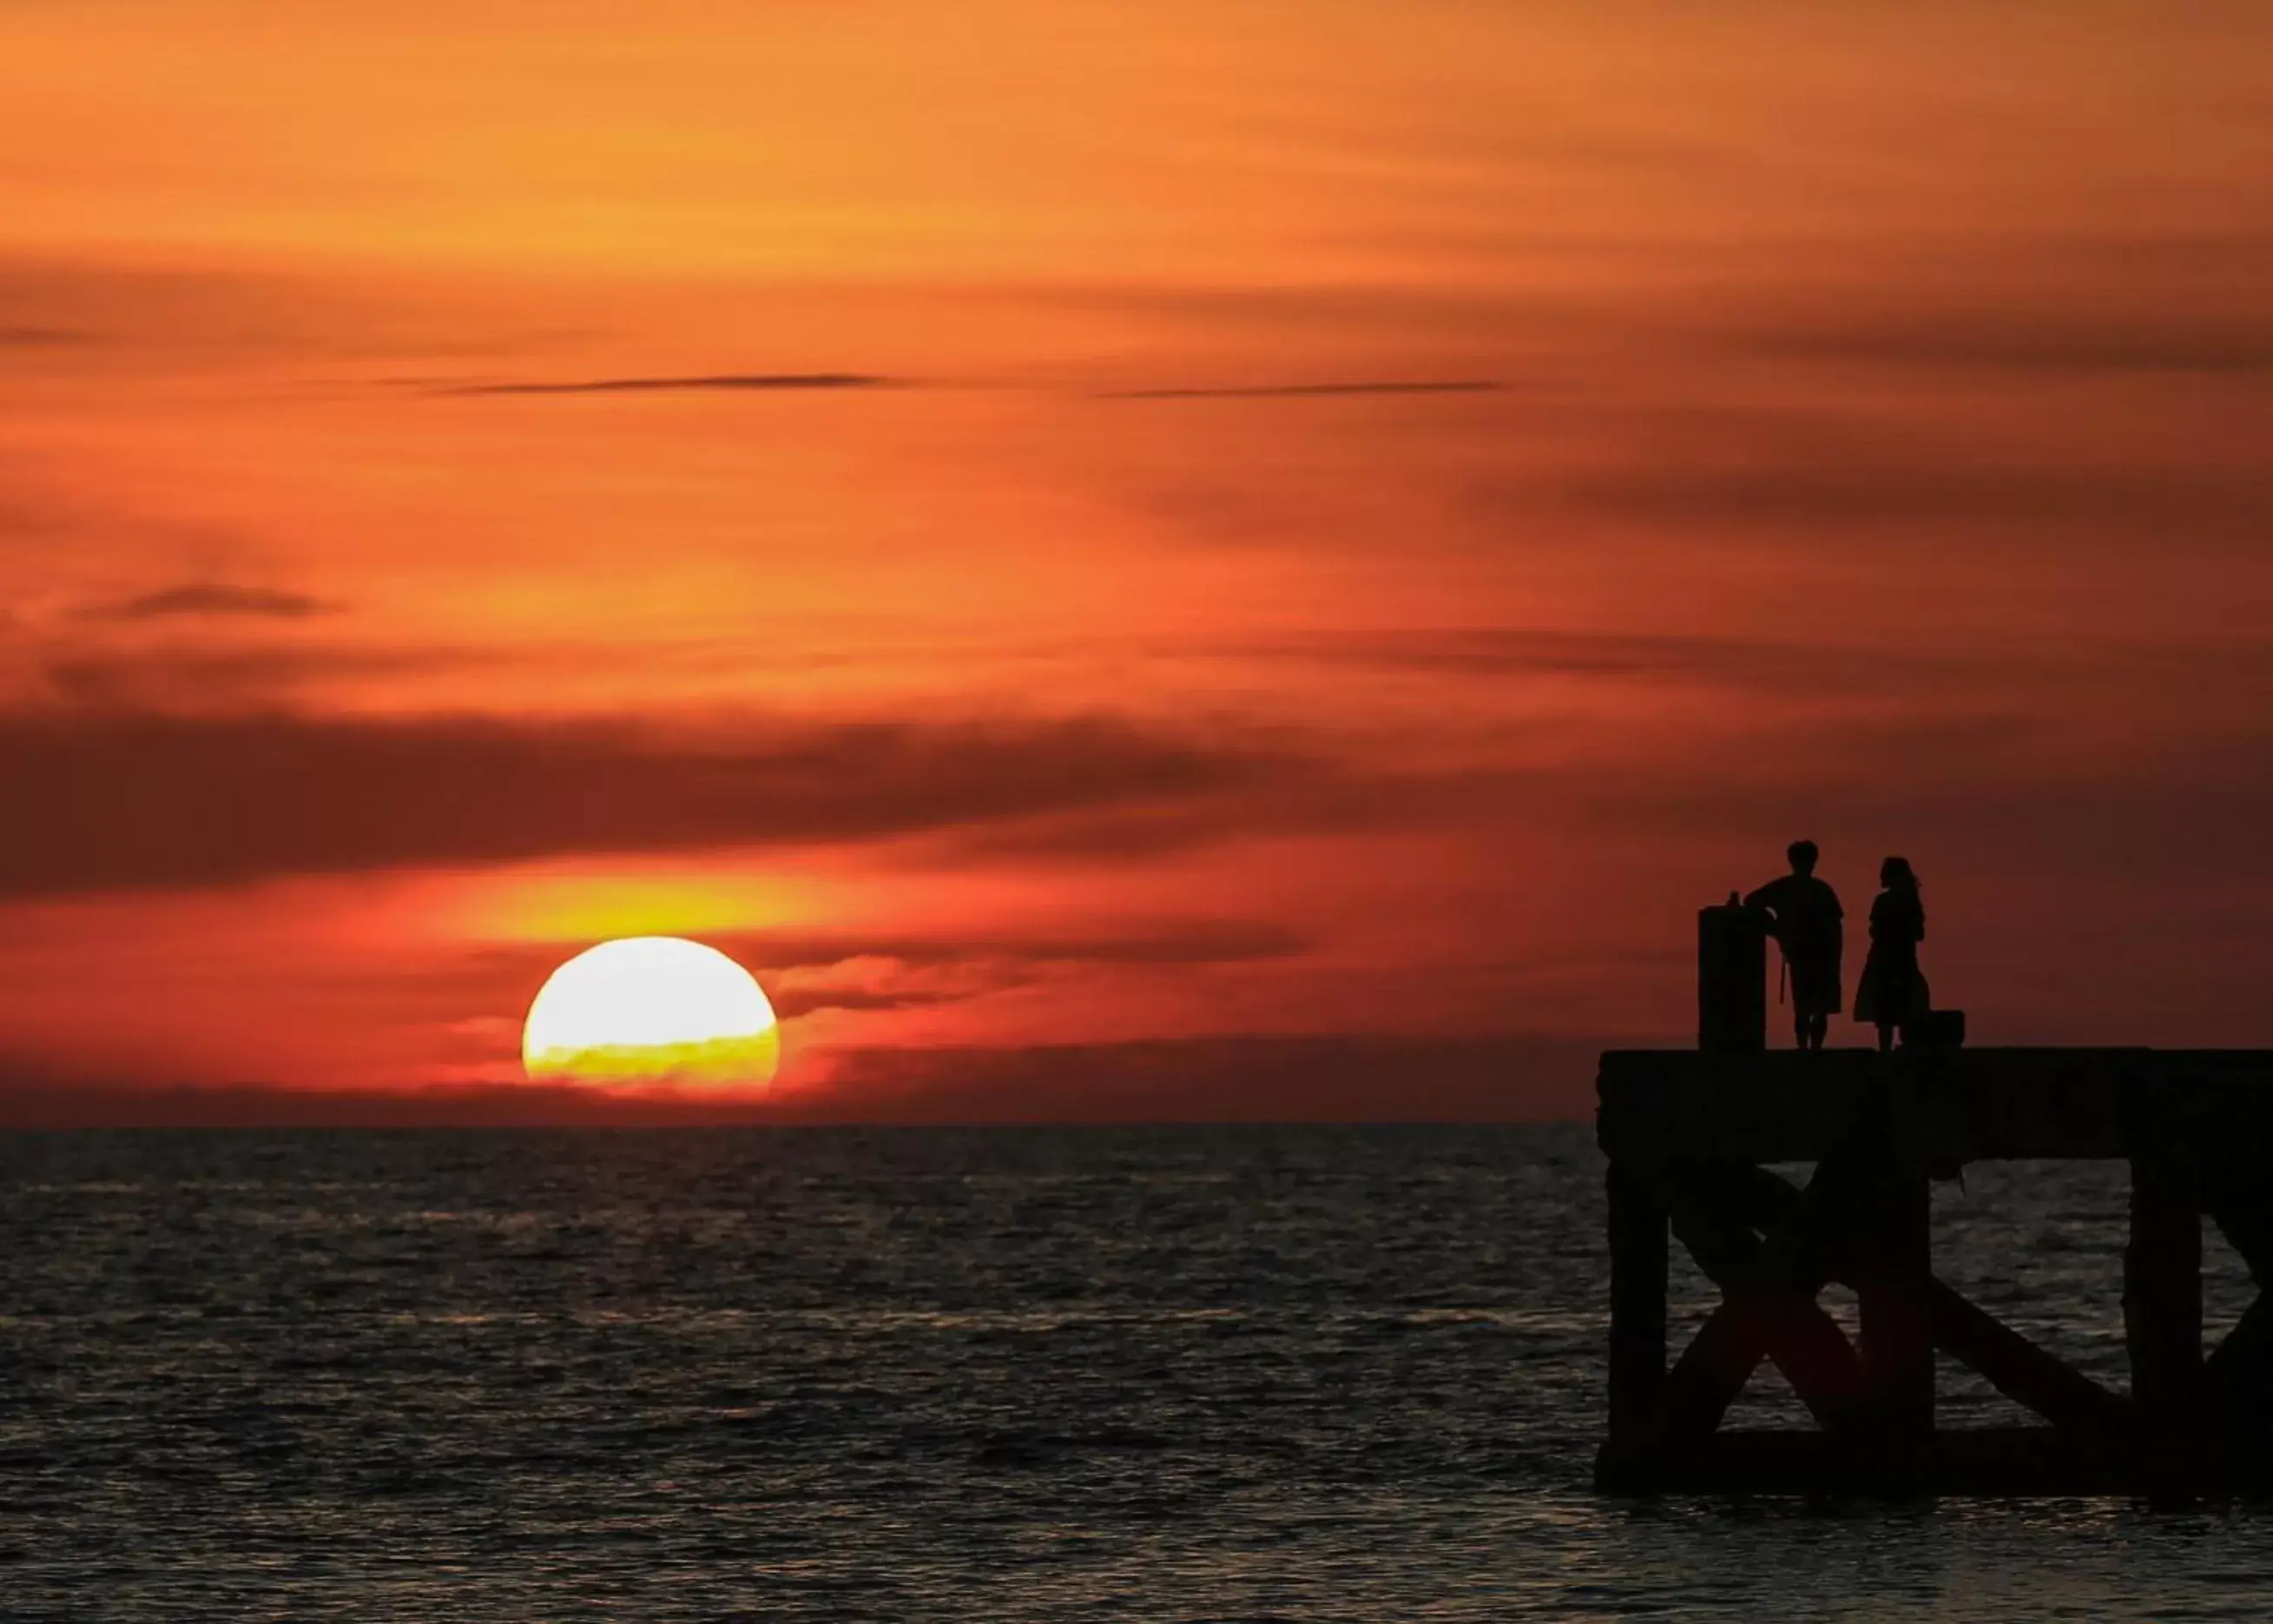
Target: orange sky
[1096, 546]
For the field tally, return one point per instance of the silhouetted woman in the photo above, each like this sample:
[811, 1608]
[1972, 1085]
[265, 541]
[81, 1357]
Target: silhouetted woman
[1893, 990]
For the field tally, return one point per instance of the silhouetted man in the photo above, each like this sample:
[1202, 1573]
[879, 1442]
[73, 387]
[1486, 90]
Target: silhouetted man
[1808, 923]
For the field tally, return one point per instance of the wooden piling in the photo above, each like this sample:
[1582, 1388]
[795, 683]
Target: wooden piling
[1893, 1272]
[2162, 1289]
[1638, 1259]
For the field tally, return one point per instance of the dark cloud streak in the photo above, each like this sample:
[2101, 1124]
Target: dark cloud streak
[1747, 663]
[1305, 392]
[718, 382]
[1169, 942]
[2120, 340]
[791, 1003]
[217, 600]
[107, 800]
[1780, 470]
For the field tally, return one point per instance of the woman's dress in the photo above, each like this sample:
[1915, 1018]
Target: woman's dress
[1892, 989]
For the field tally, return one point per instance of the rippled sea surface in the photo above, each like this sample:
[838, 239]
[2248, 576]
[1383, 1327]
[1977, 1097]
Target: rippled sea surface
[1018, 1374]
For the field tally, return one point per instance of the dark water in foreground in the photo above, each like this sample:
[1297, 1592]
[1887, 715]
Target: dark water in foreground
[1262, 1372]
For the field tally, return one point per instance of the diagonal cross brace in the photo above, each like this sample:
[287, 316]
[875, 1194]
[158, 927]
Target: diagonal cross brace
[1769, 1281]
[1769, 1284]
[2237, 1378]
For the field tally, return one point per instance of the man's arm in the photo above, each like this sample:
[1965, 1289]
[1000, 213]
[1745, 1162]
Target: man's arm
[1769, 899]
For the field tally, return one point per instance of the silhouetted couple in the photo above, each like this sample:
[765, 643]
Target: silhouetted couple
[1807, 922]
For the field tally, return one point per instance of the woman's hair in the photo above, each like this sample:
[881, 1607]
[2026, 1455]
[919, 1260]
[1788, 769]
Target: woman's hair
[1897, 872]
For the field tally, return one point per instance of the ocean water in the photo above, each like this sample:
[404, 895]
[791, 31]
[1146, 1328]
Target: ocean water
[1027, 1374]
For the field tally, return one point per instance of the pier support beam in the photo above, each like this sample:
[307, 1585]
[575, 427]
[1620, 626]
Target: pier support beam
[1638, 1315]
[1893, 1276]
[2161, 1291]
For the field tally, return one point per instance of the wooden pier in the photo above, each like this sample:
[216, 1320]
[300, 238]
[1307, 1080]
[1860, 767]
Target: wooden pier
[1688, 1133]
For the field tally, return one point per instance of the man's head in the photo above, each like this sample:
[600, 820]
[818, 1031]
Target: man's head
[1802, 855]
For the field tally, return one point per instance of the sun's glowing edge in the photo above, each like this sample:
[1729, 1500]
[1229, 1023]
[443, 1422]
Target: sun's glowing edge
[731, 1036]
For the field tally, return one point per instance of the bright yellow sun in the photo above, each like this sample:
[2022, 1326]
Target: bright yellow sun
[651, 1009]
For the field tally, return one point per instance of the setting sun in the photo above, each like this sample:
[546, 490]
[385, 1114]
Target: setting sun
[651, 1009]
